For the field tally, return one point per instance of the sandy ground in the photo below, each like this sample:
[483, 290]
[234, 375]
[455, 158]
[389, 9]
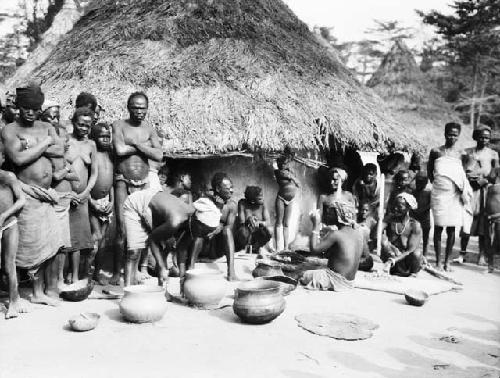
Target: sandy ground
[196, 343]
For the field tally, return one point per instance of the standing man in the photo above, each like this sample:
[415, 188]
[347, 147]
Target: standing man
[480, 161]
[450, 190]
[134, 142]
[29, 146]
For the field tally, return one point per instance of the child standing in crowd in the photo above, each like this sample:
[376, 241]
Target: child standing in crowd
[423, 211]
[101, 195]
[287, 193]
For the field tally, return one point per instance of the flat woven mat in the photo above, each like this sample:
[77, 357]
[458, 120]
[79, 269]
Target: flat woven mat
[338, 326]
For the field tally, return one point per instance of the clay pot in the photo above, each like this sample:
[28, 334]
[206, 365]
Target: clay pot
[143, 303]
[267, 269]
[85, 321]
[258, 301]
[416, 297]
[78, 291]
[204, 288]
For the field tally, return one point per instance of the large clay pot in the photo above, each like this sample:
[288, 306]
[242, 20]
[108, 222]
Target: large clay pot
[267, 269]
[143, 303]
[258, 301]
[204, 288]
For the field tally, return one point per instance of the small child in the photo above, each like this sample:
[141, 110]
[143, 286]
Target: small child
[423, 211]
[492, 208]
[367, 224]
[11, 202]
[287, 192]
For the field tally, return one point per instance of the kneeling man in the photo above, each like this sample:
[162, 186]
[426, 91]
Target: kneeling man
[403, 233]
[343, 247]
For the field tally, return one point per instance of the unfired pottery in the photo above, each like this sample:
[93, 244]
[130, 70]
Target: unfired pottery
[204, 288]
[267, 269]
[143, 303]
[258, 301]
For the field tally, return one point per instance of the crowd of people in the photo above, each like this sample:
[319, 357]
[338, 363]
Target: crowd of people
[61, 184]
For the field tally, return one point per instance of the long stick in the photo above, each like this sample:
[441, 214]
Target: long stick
[380, 213]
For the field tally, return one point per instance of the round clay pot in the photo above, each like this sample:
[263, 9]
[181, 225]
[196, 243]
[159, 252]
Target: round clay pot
[258, 301]
[143, 303]
[267, 269]
[204, 288]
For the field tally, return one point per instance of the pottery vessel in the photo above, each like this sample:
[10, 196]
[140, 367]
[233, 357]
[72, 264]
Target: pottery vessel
[77, 292]
[143, 303]
[258, 301]
[85, 321]
[416, 297]
[204, 288]
[267, 269]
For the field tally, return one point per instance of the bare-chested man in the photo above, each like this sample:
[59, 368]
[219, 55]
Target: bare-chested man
[11, 202]
[403, 233]
[61, 182]
[221, 241]
[101, 196]
[29, 145]
[253, 221]
[343, 247]
[134, 143]
[82, 155]
[479, 162]
[450, 190]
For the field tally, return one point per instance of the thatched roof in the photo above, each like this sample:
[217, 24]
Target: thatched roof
[411, 95]
[221, 76]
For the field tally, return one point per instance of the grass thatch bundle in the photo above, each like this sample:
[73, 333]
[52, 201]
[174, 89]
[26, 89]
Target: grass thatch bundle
[221, 75]
[415, 100]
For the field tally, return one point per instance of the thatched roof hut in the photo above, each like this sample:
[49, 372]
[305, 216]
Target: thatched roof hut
[221, 76]
[409, 93]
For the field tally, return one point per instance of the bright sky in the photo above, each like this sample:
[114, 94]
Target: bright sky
[350, 18]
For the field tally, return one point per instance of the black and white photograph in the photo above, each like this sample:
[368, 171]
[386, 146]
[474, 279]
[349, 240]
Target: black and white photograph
[249, 188]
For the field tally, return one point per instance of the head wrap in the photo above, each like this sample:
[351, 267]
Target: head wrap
[479, 129]
[30, 97]
[342, 173]
[206, 212]
[50, 104]
[409, 199]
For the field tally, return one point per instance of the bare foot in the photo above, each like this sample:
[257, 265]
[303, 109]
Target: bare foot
[491, 269]
[232, 278]
[481, 261]
[52, 294]
[44, 299]
[439, 268]
[143, 276]
[19, 306]
[447, 268]
[168, 296]
[115, 280]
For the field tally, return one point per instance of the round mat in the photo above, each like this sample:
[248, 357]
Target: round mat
[337, 326]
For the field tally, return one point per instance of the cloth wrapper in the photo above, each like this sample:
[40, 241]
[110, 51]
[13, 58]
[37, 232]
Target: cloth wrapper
[79, 223]
[325, 279]
[62, 214]
[101, 204]
[39, 234]
[207, 212]
[451, 192]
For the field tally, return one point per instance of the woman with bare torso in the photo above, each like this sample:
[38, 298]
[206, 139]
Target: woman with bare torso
[82, 156]
[285, 199]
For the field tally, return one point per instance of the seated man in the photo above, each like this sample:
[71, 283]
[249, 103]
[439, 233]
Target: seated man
[343, 247]
[403, 233]
[253, 221]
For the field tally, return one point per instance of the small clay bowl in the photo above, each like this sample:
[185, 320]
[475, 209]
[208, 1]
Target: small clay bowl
[416, 297]
[78, 291]
[85, 321]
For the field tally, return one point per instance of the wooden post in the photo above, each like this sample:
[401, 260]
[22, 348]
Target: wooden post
[380, 213]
